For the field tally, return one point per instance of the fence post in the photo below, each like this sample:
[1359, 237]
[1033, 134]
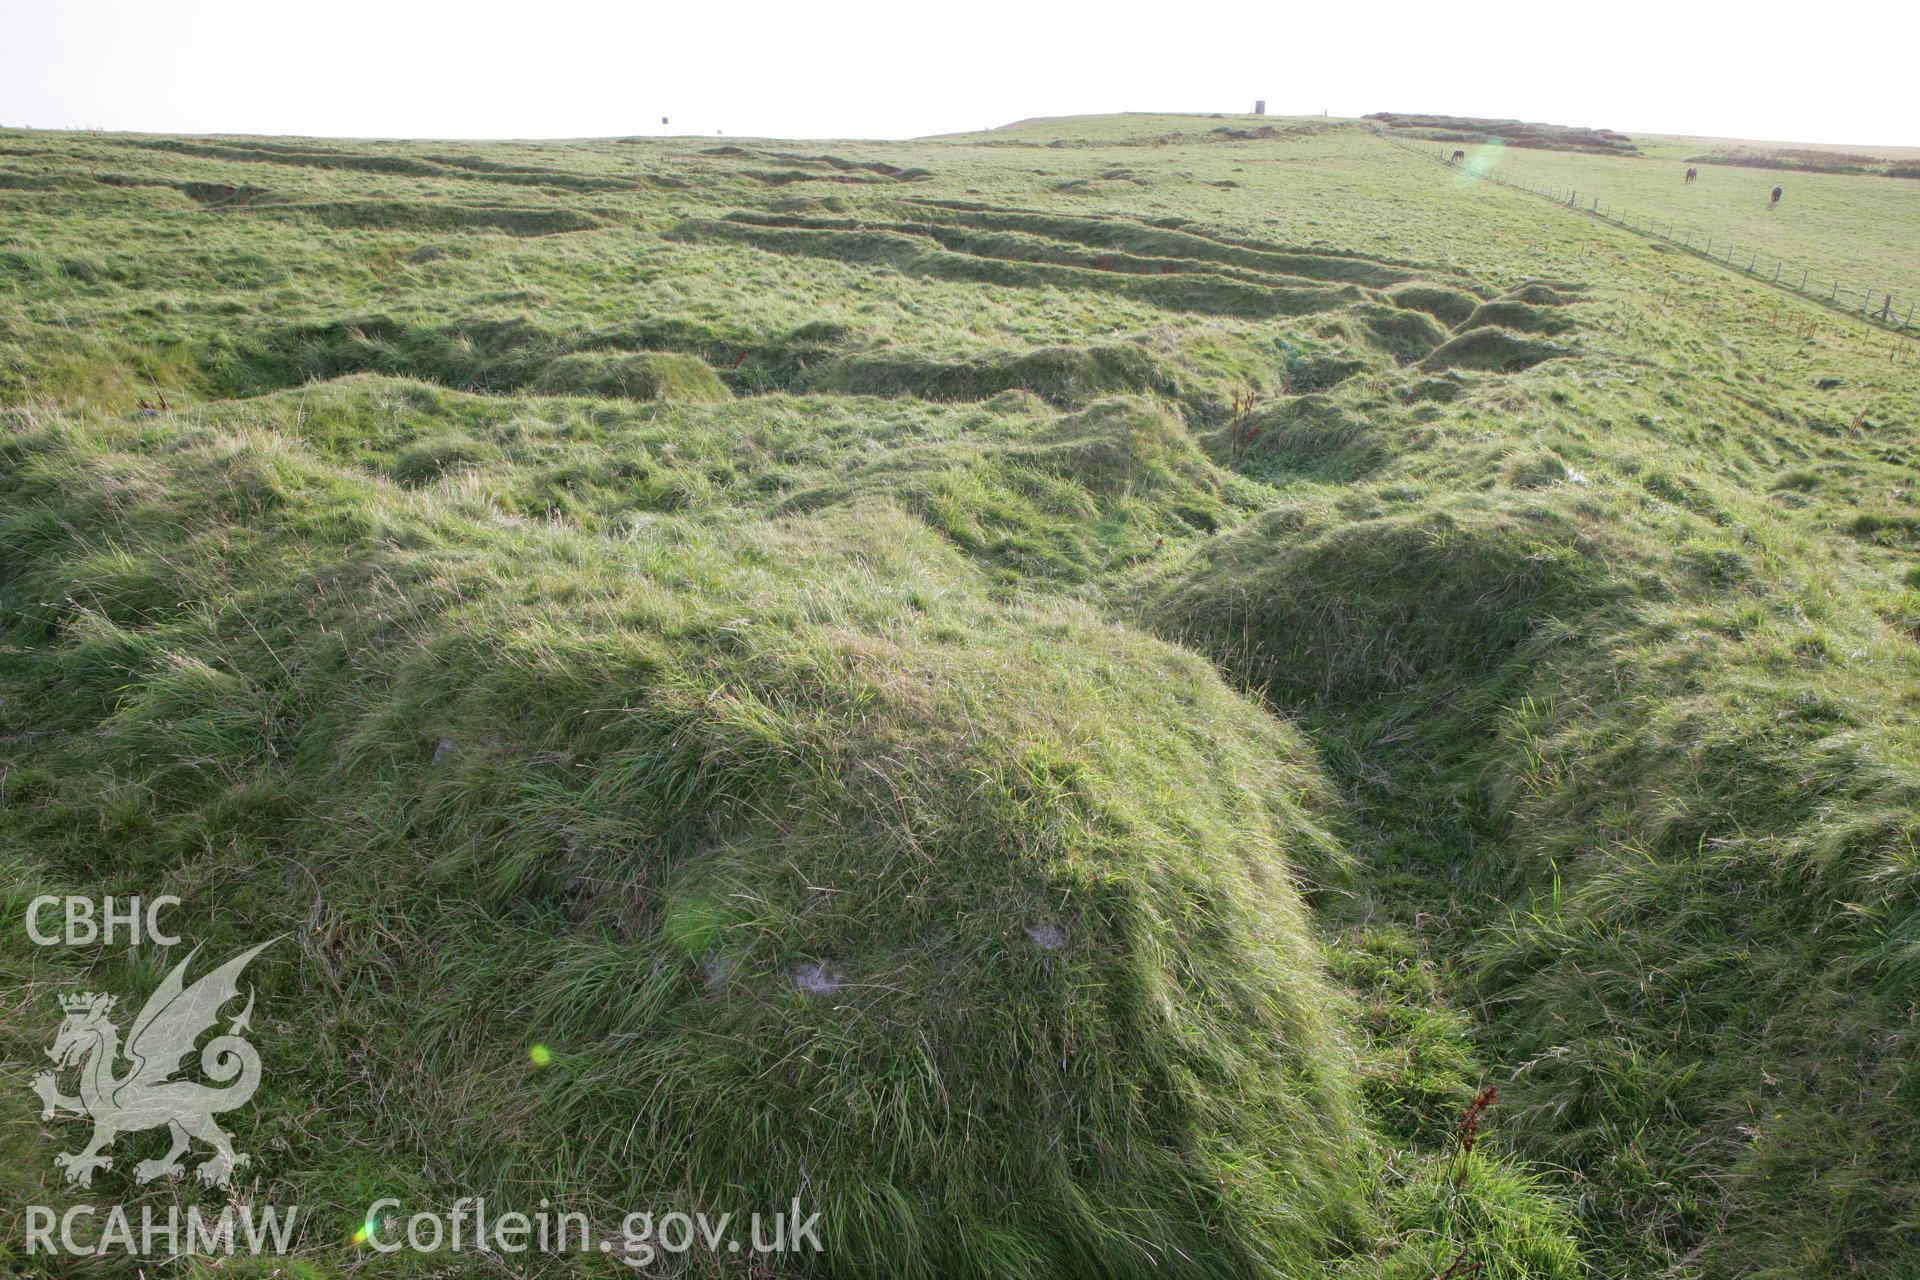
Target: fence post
[1803, 279]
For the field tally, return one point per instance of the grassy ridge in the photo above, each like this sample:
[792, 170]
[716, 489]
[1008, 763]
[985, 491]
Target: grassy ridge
[1074, 701]
[627, 798]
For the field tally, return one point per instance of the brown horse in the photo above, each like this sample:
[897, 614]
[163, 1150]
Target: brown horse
[1458, 156]
[1692, 174]
[1776, 198]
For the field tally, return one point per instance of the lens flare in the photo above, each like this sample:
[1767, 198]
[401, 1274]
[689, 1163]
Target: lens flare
[1482, 159]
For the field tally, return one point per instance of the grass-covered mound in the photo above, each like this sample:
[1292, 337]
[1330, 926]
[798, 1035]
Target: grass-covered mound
[1067, 376]
[631, 375]
[1406, 333]
[647, 357]
[1671, 824]
[1124, 447]
[810, 867]
[1028, 491]
[1521, 317]
[483, 353]
[1202, 292]
[1313, 435]
[1491, 348]
[1540, 294]
[1447, 305]
[409, 215]
[1712, 979]
[1059, 498]
[1311, 608]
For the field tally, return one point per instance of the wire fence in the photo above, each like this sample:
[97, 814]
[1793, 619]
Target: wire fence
[1871, 303]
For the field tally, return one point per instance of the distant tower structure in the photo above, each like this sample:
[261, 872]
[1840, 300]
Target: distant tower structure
[1260, 107]
[663, 119]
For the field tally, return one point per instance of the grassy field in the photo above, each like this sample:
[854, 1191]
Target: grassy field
[1068, 695]
[1853, 230]
[1678, 146]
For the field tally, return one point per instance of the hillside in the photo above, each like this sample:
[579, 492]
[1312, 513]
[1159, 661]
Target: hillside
[1067, 695]
[1514, 133]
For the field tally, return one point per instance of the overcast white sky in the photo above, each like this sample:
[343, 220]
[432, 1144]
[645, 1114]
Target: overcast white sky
[1837, 71]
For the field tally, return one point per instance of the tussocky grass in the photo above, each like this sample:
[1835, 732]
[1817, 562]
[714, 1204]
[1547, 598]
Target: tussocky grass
[994, 724]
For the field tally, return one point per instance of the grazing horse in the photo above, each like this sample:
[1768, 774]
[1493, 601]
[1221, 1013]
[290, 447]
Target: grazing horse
[1776, 198]
[1692, 174]
[1458, 156]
